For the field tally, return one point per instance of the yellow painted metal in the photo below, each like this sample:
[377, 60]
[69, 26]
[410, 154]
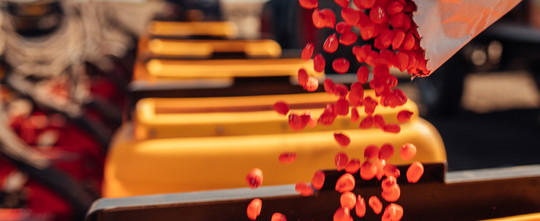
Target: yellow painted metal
[205, 48]
[524, 217]
[226, 68]
[185, 29]
[190, 162]
[232, 116]
[185, 164]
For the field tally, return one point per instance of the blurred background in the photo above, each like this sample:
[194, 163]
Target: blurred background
[66, 67]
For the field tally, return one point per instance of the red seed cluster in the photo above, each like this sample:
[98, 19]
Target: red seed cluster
[393, 42]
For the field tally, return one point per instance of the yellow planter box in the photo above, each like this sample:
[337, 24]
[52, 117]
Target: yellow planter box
[183, 156]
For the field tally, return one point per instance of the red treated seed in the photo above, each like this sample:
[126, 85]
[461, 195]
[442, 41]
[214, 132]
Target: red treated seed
[392, 128]
[350, 16]
[363, 74]
[278, 217]
[342, 139]
[287, 157]
[397, 20]
[370, 104]
[380, 71]
[329, 108]
[318, 180]
[412, 62]
[318, 21]
[329, 86]
[366, 123]
[371, 152]
[407, 22]
[309, 4]
[404, 116]
[364, 4]
[297, 122]
[341, 90]
[378, 43]
[327, 117]
[386, 38]
[342, 107]
[281, 107]
[375, 204]
[399, 36]
[391, 194]
[331, 44]
[410, 7]
[356, 96]
[392, 81]
[378, 121]
[377, 15]
[391, 170]
[386, 58]
[371, 57]
[342, 27]
[347, 200]
[394, 7]
[348, 38]
[303, 189]
[312, 121]
[360, 207]
[345, 183]
[369, 30]
[254, 209]
[398, 97]
[407, 151]
[307, 52]
[355, 116]
[355, 49]
[380, 168]
[386, 151]
[341, 65]
[393, 212]
[341, 159]
[365, 50]
[312, 84]
[415, 172]
[319, 63]
[302, 77]
[408, 42]
[402, 61]
[254, 178]
[388, 182]
[328, 17]
[342, 3]
[368, 170]
[353, 166]
[342, 214]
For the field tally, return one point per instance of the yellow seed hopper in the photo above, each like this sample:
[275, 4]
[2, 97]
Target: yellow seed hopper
[185, 144]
